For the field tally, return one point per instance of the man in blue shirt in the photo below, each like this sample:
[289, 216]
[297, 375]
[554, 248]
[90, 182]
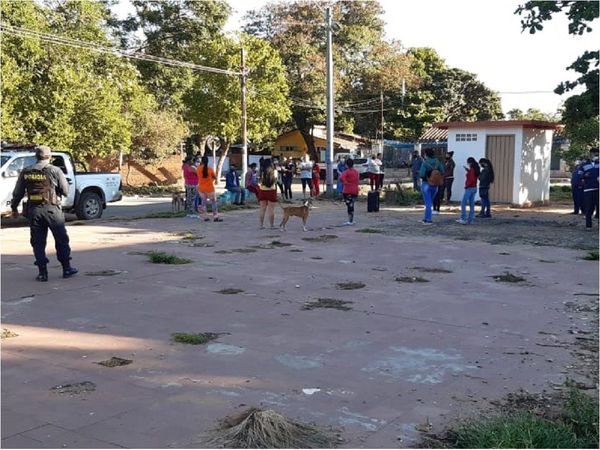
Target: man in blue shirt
[590, 188]
[232, 184]
[577, 188]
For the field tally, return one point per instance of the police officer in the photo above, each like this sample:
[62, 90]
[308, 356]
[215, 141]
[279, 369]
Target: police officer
[577, 188]
[590, 188]
[44, 184]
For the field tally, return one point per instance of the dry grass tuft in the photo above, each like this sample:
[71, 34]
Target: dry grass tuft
[256, 428]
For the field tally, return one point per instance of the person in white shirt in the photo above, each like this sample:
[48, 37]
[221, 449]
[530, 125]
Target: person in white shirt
[306, 167]
[375, 171]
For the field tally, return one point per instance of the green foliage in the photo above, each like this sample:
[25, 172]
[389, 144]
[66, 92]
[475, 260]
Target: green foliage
[166, 258]
[194, 338]
[532, 114]
[560, 193]
[592, 255]
[577, 427]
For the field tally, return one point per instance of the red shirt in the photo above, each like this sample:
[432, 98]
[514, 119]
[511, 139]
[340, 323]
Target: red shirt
[350, 179]
[471, 180]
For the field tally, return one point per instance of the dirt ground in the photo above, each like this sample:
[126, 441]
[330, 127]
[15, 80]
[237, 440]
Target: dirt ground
[384, 331]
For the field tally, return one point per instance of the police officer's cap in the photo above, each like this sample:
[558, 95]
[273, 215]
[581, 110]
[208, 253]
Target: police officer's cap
[42, 152]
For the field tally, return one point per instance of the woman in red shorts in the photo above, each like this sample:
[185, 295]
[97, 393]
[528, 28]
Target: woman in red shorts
[267, 192]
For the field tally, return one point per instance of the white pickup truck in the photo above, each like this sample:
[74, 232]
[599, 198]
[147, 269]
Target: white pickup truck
[89, 192]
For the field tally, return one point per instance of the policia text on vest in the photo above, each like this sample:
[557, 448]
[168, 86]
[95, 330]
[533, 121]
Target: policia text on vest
[44, 184]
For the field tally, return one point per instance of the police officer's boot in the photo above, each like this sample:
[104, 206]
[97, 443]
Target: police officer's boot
[69, 271]
[43, 275]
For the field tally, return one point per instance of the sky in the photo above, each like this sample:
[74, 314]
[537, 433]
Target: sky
[482, 37]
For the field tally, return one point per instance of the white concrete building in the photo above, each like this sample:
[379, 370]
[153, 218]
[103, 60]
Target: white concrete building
[519, 151]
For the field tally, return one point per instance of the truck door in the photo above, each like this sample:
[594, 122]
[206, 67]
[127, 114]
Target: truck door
[10, 174]
[67, 169]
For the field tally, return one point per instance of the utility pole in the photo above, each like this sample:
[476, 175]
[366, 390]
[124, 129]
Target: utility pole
[244, 121]
[381, 97]
[329, 152]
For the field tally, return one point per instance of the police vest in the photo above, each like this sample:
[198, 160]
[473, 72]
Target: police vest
[40, 189]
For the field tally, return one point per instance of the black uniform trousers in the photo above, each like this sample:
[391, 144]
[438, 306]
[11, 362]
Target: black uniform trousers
[590, 204]
[41, 218]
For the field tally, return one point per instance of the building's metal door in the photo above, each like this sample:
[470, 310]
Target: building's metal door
[500, 150]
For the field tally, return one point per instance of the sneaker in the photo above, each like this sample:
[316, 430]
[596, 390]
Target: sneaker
[348, 224]
[426, 222]
[462, 222]
[435, 213]
[217, 219]
[69, 272]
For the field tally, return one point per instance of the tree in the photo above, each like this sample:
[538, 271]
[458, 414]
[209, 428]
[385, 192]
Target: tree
[532, 114]
[213, 102]
[580, 114]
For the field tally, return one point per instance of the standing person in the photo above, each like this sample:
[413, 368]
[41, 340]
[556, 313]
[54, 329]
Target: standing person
[577, 188]
[374, 168]
[341, 167]
[206, 188]
[590, 190]
[448, 176]
[287, 177]
[415, 165]
[267, 194]
[306, 175]
[280, 185]
[316, 179]
[437, 200]
[486, 178]
[350, 179]
[251, 180]
[44, 184]
[428, 187]
[381, 174]
[232, 184]
[190, 179]
[473, 171]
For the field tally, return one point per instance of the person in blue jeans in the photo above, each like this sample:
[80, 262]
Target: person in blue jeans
[428, 190]
[415, 167]
[472, 175]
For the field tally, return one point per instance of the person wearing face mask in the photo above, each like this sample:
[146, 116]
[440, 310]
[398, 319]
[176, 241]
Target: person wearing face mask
[448, 176]
[473, 171]
[577, 188]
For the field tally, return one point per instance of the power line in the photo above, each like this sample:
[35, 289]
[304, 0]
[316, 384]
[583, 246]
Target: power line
[87, 45]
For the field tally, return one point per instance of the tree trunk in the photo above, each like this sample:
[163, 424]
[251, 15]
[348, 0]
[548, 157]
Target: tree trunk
[310, 144]
[224, 153]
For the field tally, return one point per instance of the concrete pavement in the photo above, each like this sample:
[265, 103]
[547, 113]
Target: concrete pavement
[405, 354]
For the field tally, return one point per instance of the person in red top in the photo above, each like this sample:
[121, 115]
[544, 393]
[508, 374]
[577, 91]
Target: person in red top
[190, 178]
[316, 180]
[472, 175]
[350, 179]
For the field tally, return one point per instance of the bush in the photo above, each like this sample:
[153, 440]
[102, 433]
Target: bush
[165, 258]
[402, 197]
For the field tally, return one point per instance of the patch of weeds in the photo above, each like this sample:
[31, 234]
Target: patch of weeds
[231, 207]
[75, 388]
[402, 197]
[280, 244]
[166, 258]
[369, 231]
[560, 193]
[115, 362]
[104, 273]
[431, 269]
[328, 303]
[508, 277]
[230, 291]
[6, 333]
[350, 285]
[164, 215]
[322, 238]
[195, 338]
[592, 255]
[412, 280]
[569, 424]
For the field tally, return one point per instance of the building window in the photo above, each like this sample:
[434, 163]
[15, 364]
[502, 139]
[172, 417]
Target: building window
[466, 137]
[288, 148]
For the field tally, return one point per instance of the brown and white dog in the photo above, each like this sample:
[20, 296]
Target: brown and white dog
[177, 202]
[298, 211]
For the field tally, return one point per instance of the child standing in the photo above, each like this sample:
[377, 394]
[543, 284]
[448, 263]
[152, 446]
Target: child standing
[350, 179]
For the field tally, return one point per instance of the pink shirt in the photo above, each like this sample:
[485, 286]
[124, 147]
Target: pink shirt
[350, 179]
[189, 175]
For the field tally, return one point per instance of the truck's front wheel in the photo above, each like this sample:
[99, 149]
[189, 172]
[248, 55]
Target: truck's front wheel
[89, 206]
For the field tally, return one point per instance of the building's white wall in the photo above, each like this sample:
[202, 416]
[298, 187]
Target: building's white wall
[534, 183]
[462, 150]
